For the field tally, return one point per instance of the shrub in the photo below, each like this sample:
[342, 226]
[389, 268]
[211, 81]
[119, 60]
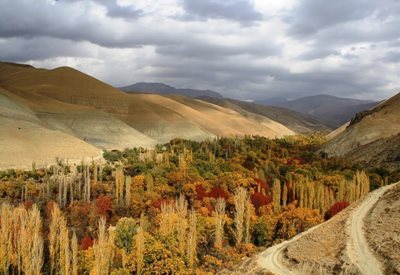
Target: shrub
[103, 205]
[258, 200]
[337, 207]
[86, 243]
[125, 230]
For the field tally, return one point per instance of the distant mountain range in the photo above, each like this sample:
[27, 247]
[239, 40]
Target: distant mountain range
[333, 111]
[326, 110]
[164, 89]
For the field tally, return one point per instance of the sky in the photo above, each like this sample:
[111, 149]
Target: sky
[244, 49]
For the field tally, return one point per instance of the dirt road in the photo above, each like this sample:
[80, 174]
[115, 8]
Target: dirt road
[357, 247]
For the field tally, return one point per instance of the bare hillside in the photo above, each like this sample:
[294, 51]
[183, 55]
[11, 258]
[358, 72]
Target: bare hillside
[381, 122]
[297, 122]
[80, 107]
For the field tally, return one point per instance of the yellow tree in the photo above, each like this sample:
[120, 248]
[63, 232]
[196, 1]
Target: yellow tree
[219, 217]
[103, 250]
[276, 195]
[6, 237]
[240, 205]
[192, 239]
[139, 250]
[60, 258]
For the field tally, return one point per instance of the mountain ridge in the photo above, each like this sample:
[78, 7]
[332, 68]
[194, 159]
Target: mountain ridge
[164, 89]
[333, 111]
[67, 102]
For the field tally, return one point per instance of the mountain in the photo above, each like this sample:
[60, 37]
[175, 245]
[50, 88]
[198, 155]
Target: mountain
[65, 113]
[371, 136]
[297, 122]
[333, 111]
[358, 240]
[163, 89]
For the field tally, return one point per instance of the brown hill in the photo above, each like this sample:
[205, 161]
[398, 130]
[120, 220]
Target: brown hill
[297, 122]
[67, 101]
[372, 132]
[24, 139]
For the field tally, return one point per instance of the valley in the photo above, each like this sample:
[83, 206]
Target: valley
[204, 181]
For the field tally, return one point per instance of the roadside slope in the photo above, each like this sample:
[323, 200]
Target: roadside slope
[339, 245]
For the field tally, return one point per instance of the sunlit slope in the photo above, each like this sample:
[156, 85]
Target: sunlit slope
[381, 122]
[154, 118]
[297, 122]
[221, 120]
[24, 139]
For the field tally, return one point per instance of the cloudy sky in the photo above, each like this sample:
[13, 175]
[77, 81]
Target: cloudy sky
[246, 49]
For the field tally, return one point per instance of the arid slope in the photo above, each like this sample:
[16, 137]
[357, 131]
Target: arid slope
[69, 102]
[381, 122]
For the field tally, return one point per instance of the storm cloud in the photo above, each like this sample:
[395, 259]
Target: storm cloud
[241, 48]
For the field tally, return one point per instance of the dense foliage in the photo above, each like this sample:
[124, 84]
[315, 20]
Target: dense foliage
[184, 207]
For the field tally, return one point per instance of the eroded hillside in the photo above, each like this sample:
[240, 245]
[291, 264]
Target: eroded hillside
[87, 114]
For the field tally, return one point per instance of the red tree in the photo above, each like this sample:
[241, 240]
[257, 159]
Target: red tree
[337, 207]
[218, 192]
[201, 192]
[259, 200]
[103, 204]
[86, 243]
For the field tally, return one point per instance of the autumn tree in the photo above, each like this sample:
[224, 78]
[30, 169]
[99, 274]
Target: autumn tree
[181, 206]
[276, 192]
[74, 248]
[119, 185]
[240, 199]
[191, 250]
[103, 250]
[139, 242]
[219, 217]
[59, 243]
[6, 237]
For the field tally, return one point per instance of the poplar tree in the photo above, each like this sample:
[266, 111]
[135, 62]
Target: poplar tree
[240, 205]
[103, 250]
[181, 210]
[276, 195]
[139, 241]
[192, 239]
[219, 217]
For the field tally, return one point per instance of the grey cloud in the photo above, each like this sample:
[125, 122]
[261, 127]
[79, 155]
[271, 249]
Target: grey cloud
[202, 49]
[23, 50]
[68, 20]
[236, 10]
[235, 78]
[318, 53]
[311, 16]
[116, 11]
[246, 65]
[391, 57]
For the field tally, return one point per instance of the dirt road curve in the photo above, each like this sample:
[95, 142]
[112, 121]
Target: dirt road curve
[270, 258]
[357, 247]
